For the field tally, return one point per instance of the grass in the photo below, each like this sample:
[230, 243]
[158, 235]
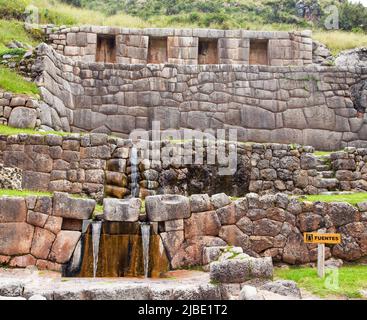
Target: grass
[352, 198]
[12, 82]
[337, 41]
[351, 279]
[23, 193]
[14, 30]
[8, 131]
[323, 153]
[64, 14]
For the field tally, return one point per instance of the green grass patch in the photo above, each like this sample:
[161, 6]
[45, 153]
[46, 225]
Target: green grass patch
[352, 198]
[322, 153]
[13, 82]
[8, 131]
[351, 279]
[23, 193]
[14, 30]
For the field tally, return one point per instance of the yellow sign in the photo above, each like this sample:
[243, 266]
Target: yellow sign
[327, 238]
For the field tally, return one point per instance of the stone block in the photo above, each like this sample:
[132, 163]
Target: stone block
[12, 209]
[241, 270]
[72, 208]
[11, 233]
[126, 210]
[167, 207]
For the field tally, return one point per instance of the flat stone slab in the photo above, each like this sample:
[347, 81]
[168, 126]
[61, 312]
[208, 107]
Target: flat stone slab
[179, 285]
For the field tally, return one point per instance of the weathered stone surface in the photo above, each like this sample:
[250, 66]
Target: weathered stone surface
[295, 251]
[283, 287]
[22, 117]
[234, 236]
[191, 252]
[12, 209]
[267, 227]
[167, 207]
[22, 261]
[64, 246]
[121, 210]
[172, 241]
[200, 203]
[42, 243]
[238, 271]
[249, 293]
[342, 213]
[202, 224]
[220, 200]
[11, 233]
[72, 208]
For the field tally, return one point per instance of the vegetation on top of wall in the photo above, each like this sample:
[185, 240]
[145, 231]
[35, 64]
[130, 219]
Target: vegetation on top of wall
[352, 279]
[352, 198]
[8, 131]
[12, 82]
[23, 193]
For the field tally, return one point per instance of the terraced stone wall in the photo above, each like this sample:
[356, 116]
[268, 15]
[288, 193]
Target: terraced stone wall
[309, 105]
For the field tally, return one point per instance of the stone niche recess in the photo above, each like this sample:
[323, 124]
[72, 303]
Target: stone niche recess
[208, 51]
[106, 48]
[157, 50]
[259, 52]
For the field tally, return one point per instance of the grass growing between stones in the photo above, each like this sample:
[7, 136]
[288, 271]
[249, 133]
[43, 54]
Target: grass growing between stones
[352, 198]
[13, 82]
[348, 282]
[8, 131]
[23, 193]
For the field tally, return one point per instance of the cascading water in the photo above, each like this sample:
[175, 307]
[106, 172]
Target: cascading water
[134, 173]
[145, 233]
[96, 236]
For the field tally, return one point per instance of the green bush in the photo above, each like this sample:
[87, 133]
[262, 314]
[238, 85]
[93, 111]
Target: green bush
[13, 8]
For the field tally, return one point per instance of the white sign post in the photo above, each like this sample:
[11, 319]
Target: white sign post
[321, 260]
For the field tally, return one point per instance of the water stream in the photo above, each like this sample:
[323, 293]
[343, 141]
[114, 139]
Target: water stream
[145, 233]
[96, 235]
[134, 173]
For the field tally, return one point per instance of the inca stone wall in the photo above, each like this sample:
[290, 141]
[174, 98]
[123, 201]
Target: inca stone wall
[99, 165]
[19, 111]
[41, 230]
[45, 231]
[307, 105]
[233, 46]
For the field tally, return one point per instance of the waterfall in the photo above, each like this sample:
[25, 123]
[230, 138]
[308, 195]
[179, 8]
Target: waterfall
[145, 233]
[96, 235]
[134, 173]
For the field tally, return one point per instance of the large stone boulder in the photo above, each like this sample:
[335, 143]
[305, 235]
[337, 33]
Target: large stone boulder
[22, 117]
[64, 246]
[283, 287]
[126, 210]
[353, 58]
[202, 224]
[12, 209]
[241, 270]
[16, 238]
[167, 207]
[72, 208]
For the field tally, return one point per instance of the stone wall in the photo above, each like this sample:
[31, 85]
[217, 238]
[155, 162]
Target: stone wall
[307, 105]
[45, 231]
[232, 47]
[41, 230]
[99, 165]
[193, 228]
[19, 111]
